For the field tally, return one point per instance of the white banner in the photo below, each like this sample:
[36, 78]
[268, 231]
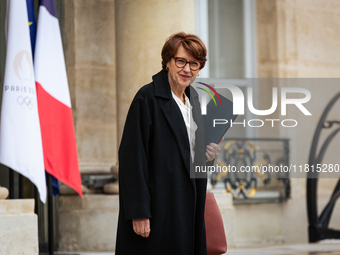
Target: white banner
[20, 136]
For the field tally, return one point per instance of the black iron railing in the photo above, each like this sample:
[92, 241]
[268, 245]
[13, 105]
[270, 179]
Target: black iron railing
[319, 224]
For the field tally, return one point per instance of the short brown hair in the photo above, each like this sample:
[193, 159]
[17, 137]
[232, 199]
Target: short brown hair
[192, 43]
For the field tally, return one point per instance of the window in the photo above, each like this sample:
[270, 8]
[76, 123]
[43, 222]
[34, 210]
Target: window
[227, 27]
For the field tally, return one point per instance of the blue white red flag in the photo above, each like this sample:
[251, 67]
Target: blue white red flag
[54, 104]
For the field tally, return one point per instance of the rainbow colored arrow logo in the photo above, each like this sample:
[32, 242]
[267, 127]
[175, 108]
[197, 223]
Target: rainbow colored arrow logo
[213, 90]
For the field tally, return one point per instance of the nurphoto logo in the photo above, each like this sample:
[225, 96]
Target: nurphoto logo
[239, 104]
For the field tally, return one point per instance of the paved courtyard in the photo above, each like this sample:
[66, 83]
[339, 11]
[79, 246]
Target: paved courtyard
[323, 248]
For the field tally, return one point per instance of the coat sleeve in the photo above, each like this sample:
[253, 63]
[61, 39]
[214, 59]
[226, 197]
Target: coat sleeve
[133, 162]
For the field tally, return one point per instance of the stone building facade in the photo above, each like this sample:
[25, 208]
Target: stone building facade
[112, 48]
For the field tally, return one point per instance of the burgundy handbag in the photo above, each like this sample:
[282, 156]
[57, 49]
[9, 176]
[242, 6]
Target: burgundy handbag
[216, 240]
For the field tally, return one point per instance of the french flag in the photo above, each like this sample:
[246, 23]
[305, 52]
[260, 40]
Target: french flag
[54, 104]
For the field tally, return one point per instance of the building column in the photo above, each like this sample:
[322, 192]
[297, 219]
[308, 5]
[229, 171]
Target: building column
[90, 53]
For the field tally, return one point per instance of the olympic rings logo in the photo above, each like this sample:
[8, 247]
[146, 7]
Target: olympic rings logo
[25, 102]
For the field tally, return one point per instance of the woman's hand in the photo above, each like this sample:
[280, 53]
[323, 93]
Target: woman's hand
[212, 150]
[141, 227]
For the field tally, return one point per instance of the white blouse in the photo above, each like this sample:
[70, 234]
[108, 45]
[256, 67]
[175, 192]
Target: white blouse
[190, 124]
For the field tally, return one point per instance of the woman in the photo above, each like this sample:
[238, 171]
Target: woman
[161, 204]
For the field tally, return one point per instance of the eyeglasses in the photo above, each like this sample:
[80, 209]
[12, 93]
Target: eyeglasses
[181, 62]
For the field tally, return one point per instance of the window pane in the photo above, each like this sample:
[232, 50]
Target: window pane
[226, 39]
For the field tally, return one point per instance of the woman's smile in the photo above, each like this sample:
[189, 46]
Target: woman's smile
[185, 76]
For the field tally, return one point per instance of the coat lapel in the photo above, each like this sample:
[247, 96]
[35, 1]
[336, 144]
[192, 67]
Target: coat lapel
[173, 115]
[176, 122]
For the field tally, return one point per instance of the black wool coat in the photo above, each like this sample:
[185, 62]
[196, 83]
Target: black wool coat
[154, 177]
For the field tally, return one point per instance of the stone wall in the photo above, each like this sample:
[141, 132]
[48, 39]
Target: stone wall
[299, 39]
[19, 227]
[88, 224]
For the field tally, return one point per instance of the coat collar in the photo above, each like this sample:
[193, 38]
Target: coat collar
[162, 86]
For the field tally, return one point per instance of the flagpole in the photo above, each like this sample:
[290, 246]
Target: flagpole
[50, 215]
[21, 186]
[11, 183]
